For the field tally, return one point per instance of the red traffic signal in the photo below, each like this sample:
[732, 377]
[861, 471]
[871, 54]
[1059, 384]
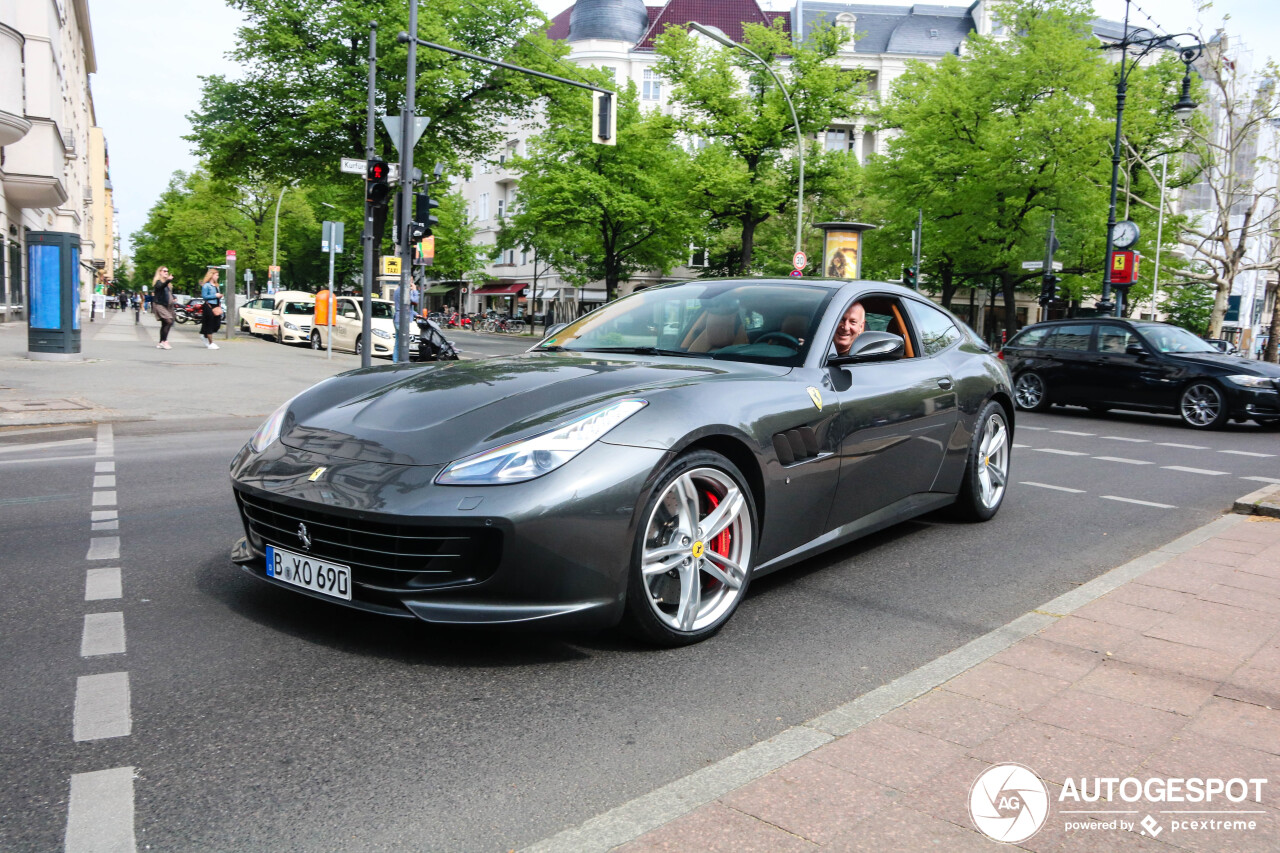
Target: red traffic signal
[377, 186]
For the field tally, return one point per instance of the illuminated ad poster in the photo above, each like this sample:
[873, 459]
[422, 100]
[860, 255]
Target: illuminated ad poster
[841, 254]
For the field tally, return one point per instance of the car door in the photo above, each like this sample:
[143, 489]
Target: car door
[895, 417]
[1065, 368]
[1116, 376]
[344, 334]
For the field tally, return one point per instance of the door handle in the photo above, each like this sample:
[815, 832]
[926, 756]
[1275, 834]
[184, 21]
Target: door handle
[945, 384]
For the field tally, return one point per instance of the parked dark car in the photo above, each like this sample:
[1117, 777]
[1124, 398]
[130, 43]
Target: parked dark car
[1109, 363]
[641, 465]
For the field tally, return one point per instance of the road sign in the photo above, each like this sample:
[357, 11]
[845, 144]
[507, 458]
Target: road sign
[1039, 265]
[352, 166]
[799, 259]
[796, 273]
[332, 231]
[392, 124]
[390, 265]
[231, 254]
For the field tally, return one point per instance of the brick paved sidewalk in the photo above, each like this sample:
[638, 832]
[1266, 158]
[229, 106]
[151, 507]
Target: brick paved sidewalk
[1174, 674]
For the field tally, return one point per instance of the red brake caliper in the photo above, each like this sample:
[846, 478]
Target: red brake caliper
[720, 544]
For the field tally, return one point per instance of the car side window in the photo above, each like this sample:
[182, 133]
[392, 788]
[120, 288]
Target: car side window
[937, 331]
[348, 309]
[1074, 337]
[1114, 339]
[1030, 337]
[268, 304]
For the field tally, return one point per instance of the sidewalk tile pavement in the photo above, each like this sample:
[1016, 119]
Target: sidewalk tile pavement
[1173, 675]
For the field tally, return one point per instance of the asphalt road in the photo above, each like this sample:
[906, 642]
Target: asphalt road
[263, 720]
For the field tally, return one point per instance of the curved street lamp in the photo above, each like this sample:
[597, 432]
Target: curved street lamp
[716, 35]
[1183, 109]
[275, 240]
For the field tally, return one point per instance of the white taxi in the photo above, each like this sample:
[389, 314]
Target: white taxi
[293, 314]
[348, 328]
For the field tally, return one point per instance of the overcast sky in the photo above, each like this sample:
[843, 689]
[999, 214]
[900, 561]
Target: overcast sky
[152, 52]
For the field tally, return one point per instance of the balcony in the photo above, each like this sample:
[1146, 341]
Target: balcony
[34, 167]
[13, 124]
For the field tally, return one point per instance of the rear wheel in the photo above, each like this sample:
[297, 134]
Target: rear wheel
[315, 341]
[1202, 406]
[691, 561]
[1031, 393]
[359, 346]
[986, 474]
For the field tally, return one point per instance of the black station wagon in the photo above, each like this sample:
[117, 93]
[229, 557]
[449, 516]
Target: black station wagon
[1105, 363]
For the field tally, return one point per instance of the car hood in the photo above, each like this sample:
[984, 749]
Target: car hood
[1233, 362]
[441, 413]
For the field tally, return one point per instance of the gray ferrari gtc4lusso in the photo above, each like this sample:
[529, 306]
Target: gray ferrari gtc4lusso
[640, 465]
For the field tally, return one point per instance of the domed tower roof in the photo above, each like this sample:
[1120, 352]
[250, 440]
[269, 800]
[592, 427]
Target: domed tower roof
[618, 20]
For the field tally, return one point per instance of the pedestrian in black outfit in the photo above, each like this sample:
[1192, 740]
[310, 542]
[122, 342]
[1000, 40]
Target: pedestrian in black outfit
[211, 314]
[162, 304]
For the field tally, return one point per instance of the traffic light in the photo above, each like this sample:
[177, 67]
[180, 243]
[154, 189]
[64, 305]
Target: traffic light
[1048, 289]
[423, 218]
[604, 119]
[909, 277]
[377, 185]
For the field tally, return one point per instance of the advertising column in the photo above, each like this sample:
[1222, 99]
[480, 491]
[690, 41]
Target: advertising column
[53, 296]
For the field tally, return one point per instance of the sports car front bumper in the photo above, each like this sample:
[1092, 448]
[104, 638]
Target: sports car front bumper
[555, 550]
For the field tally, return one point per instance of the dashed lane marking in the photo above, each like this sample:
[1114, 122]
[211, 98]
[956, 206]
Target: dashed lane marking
[102, 515]
[1182, 446]
[1055, 488]
[1194, 470]
[100, 812]
[1060, 452]
[103, 634]
[106, 445]
[1070, 432]
[1262, 479]
[1024, 446]
[104, 548]
[1123, 460]
[45, 445]
[102, 707]
[104, 481]
[1248, 453]
[104, 498]
[1136, 501]
[105, 466]
[1126, 438]
[1035, 428]
[104, 525]
[44, 460]
[102, 584]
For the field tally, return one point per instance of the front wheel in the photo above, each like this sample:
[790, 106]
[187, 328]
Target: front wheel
[691, 561]
[1202, 406]
[986, 473]
[1031, 393]
[359, 346]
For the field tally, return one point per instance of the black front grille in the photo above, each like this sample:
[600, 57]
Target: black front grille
[386, 558]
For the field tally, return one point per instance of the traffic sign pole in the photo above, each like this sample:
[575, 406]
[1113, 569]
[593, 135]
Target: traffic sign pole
[366, 239]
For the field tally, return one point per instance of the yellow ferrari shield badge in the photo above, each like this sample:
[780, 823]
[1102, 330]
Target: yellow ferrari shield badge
[816, 396]
[315, 475]
[698, 550]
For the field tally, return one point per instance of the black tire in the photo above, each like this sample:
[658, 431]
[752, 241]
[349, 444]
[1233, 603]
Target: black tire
[986, 470]
[315, 341]
[244, 327]
[648, 615]
[359, 345]
[1031, 392]
[1202, 405]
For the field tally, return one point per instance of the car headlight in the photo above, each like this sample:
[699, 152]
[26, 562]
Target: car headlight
[290, 326]
[270, 429]
[1247, 381]
[533, 457]
[382, 333]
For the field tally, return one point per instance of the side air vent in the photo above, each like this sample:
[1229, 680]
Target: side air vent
[796, 445]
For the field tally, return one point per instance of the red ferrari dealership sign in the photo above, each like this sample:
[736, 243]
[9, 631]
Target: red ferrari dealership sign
[1124, 267]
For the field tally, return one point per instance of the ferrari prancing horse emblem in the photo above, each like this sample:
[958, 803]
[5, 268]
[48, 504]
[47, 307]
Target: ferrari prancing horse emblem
[816, 396]
[315, 475]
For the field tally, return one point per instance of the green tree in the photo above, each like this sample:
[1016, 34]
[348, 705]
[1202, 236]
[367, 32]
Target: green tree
[602, 212]
[747, 172]
[1190, 306]
[457, 253]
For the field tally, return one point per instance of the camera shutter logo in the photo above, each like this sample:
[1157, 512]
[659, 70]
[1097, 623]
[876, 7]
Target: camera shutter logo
[1008, 803]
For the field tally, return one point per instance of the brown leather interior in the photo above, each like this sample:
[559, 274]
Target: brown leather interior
[715, 331]
[882, 306]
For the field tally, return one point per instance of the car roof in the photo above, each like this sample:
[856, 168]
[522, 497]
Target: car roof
[820, 281]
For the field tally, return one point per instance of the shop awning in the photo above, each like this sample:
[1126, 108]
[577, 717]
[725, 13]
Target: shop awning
[547, 294]
[437, 289]
[500, 289]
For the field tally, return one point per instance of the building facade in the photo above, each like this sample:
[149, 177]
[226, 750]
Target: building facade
[53, 160]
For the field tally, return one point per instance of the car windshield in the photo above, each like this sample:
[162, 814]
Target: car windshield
[1173, 338]
[299, 308]
[741, 321]
[382, 311]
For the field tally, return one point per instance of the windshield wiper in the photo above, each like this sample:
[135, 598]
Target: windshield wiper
[647, 351]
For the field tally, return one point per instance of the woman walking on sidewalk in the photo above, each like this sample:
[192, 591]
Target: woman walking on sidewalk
[162, 304]
[211, 316]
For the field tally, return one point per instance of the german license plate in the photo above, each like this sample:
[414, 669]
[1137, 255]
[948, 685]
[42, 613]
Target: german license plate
[309, 573]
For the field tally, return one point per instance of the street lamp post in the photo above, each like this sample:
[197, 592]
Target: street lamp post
[275, 240]
[716, 35]
[1183, 109]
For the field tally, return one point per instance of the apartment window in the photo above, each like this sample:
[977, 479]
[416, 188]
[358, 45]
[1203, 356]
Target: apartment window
[652, 85]
[697, 256]
[524, 257]
[501, 207]
[482, 205]
[511, 257]
[837, 140]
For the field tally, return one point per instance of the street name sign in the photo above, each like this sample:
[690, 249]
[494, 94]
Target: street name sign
[352, 166]
[1039, 265]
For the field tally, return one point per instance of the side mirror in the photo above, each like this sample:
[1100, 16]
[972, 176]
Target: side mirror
[1135, 349]
[872, 346]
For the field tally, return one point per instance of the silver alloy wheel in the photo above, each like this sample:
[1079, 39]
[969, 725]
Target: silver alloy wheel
[697, 549]
[1029, 391]
[1201, 405]
[993, 471]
